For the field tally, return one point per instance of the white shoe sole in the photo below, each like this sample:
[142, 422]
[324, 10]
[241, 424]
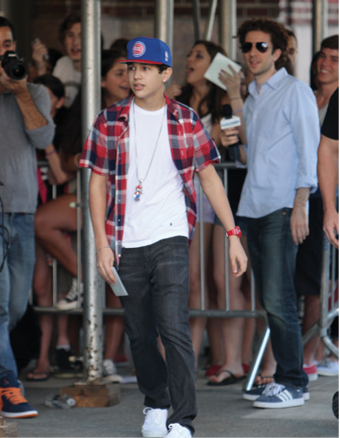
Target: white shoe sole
[114, 378]
[328, 373]
[279, 405]
[26, 414]
[154, 433]
[306, 396]
[250, 397]
[68, 306]
[312, 377]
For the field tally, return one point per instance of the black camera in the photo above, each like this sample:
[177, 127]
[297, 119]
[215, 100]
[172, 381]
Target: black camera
[13, 65]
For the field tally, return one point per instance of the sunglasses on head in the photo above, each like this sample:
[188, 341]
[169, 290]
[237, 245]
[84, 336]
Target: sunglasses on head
[260, 47]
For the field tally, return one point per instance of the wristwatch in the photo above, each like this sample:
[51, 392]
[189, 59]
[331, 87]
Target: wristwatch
[234, 232]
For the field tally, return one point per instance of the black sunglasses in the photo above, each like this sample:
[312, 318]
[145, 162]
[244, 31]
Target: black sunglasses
[260, 47]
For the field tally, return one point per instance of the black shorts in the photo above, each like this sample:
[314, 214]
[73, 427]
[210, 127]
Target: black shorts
[309, 256]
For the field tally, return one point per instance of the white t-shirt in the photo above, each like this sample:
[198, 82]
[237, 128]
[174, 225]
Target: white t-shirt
[64, 70]
[161, 212]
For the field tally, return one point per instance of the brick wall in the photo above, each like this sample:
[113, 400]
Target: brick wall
[145, 8]
[131, 18]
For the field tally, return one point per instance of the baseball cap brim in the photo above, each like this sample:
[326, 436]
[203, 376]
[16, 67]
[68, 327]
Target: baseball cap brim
[141, 61]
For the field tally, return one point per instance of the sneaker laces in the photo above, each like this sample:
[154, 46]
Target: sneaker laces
[175, 426]
[73, 293]
[153, 416]
[327, 363]
[14, 395]
[273, 389]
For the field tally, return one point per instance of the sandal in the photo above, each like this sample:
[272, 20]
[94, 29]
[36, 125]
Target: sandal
[228, 380]
[38, 376]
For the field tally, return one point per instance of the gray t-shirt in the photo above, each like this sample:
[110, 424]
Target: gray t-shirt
[18, 164]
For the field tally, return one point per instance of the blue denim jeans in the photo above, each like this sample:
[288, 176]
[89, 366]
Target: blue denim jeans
[157, 280]
[15, 280]
[272, 254]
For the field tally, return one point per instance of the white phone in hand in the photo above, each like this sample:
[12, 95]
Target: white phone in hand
[118, 287]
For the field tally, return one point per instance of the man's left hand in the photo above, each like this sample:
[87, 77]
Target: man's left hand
[299, 224]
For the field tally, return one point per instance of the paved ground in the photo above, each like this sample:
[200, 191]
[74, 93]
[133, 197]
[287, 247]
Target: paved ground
[222, 413]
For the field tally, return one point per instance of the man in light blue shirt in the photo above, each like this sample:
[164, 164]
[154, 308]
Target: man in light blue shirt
[282, 134]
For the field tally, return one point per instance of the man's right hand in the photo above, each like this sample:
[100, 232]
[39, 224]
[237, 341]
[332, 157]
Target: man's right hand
[105, 260]
[331, 223]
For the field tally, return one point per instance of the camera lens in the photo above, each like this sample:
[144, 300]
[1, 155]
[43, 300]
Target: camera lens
[16, 70]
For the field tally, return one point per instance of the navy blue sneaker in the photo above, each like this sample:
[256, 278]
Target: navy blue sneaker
[280, 396]
[12, 402]
[254, 393]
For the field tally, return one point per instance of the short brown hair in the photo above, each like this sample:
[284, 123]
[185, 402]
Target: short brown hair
[277, 32]
[331, 42]
[66, 25]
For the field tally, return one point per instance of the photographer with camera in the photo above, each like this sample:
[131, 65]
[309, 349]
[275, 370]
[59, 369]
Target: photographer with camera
[25, 125]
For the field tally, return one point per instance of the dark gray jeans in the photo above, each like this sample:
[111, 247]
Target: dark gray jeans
[157, 280]
[272, 254]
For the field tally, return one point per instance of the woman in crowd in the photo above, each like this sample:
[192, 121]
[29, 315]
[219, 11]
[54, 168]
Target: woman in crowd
[206, 99]
[57, 217]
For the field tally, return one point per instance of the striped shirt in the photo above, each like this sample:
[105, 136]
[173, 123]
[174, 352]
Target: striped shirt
[106, 152]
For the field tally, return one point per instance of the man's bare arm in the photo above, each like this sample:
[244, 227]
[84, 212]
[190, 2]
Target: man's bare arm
[299, 218]
[328, 174]
[214, 190]
[105, 257]
[33, 119]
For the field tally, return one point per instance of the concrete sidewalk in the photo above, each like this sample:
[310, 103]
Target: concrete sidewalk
[221, 413]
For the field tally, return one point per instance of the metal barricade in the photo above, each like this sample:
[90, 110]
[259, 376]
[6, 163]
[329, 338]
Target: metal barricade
[329, 304]
[326, 316]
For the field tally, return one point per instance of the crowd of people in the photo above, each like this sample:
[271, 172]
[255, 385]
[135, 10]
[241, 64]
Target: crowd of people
[147, 209]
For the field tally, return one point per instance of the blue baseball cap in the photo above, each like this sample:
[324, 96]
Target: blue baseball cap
[149, 51]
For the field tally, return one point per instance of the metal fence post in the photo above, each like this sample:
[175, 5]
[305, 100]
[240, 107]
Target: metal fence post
[227, 26]
[197, 19]
[319, 23]
[92, 315]
[211, 19]
[324, 298]
[164, 21]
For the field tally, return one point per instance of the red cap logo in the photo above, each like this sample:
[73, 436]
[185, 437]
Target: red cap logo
[138, 49]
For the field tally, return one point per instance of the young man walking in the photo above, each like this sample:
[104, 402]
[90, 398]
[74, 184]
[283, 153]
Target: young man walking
[282, 137]
[147, 148]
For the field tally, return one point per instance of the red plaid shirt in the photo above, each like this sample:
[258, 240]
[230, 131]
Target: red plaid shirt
[106, 152]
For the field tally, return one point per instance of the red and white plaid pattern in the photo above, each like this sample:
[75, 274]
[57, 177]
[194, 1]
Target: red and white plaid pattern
[106, 152]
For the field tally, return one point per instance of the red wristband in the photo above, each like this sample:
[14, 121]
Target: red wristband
[234, 232]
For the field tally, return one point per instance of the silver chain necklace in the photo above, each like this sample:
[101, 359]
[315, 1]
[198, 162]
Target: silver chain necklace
[139, 187]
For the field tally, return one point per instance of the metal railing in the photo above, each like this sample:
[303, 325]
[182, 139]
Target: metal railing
[326, 314]
[202, 311]
[329, 304]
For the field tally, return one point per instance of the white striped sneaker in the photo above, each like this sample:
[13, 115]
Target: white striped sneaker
[280, 396]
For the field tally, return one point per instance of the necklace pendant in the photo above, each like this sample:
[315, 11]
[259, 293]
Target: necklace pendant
[138, 192]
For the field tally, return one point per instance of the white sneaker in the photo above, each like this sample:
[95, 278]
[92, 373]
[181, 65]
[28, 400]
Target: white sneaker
[71, 299]
[328, 368]
[178, 431]
[110, 371]
[155, 422]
